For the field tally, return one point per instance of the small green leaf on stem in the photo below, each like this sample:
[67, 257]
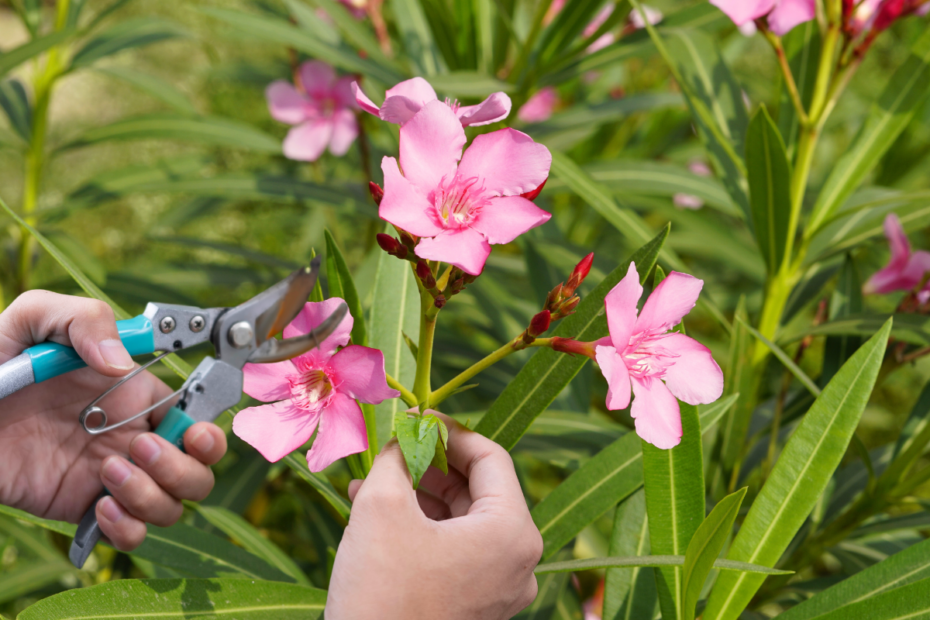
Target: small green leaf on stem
[418, 436]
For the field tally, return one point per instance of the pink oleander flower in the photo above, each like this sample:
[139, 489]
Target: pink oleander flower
[640, 352]
[653, 15]
[906, 269]
[605, 39]
[318, 389]
[540, 106]
[460, 209]
[320, 107]
[403, 101]
[783, 15]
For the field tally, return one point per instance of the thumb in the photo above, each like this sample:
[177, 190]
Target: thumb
[388, 481]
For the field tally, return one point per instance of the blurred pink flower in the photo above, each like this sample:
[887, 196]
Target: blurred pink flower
[356, 7]
[640, 352]
[906, 269]
[320, 107]
[689, 201]
[605, 39]
[408, 97]
[459, 209]
[653, 15]
[317, 389]
[539, 107]
[783, 15]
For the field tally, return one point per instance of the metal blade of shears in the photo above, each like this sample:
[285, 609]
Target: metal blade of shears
[280, 350]
[298, 285]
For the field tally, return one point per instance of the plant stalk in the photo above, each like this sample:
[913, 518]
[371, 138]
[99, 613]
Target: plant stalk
[405, 394]
[421, 383]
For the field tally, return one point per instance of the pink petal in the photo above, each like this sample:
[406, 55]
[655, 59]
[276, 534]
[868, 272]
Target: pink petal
[507, 161]
[314, 313]
[399, 110]
[658, 418]
[363, 101]
[275, 430]
[345, 130]
[742, 11]
[897, 241]
[431, 146]
[308, 141]
[403, 206]
[620, 304]
[465, 248]
[694, 377]
[268, 382]
[617, 375]
[317, 78]
[539, 107]
[342, 92]
[359, 373]
[905, 270]
[494, 108]
[342, 432]
[416, 90]
[669, 302]
[505, 218]
[285, 103]
[789, 13]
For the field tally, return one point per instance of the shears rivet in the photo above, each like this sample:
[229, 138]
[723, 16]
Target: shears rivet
[240, 334]
[197, 324]
[167, 325]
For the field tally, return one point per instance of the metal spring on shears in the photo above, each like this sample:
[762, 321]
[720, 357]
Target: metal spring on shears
[92, 408]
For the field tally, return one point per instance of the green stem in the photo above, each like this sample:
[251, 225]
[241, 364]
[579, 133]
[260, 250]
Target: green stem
[824, 73]
[449, 388]
[405, 394]
[775, 41]
[421, 383]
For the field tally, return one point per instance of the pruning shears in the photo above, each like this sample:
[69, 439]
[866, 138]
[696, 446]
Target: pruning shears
[243, 334]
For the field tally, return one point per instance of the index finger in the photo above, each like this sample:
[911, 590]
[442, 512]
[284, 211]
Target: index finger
[486, 464]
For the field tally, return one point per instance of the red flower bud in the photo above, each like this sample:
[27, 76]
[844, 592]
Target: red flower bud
[568, 306]
[533, 194]
[425, 275]
[440, 301]
[388, 243]
[539, 323]
[581, 271]
[376, 192]
[573, 347]
[554, 297]
[408, 240]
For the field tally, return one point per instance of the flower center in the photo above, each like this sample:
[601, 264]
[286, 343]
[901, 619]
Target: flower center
[458, 202]
[453, 103]
[646, 357]
[310, 388]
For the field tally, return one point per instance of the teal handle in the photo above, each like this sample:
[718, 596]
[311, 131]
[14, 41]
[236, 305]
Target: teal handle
[173, 426]
[51, 359]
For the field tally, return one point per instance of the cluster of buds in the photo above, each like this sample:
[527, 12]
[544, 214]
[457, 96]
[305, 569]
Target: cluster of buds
[562, 300]
[402, 249]
[871, 17]
[452, 282]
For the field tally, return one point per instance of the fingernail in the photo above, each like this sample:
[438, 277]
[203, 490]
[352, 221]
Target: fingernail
[146, 449]
[116, 472]
[111, 509]
[115, 355]
[203, 441]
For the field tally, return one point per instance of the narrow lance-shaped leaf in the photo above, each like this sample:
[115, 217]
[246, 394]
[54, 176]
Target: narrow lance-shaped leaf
[548, 372]
[18, 55]
[705, 546]
[803, 470]
[651, 560]
[769, 183]
[845, 301]
[802, 48]
[133, 33]
[624, 589]
[318, 481]
[887, 118]
[15, 103]
[127, 599]
[342, 285]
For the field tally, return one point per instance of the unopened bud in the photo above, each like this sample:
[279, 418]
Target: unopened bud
[388, 243]
[440, 301]
[539, 323]
[376, 192]
[458, 285]
[533, 194]
[553, 298]
[408, 240]
[468, 278]
[425, 275]
[573, 347]
[568, 306]
[581, 271]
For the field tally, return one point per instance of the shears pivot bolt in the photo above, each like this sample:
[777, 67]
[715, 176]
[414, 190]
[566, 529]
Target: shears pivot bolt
[167, 325]
[241, 334]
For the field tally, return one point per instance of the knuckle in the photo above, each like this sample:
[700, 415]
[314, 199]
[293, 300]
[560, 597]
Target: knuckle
[99, 311]
[201, 491]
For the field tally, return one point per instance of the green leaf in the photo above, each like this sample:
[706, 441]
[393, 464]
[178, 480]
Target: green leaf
[548, 372]
[395, 310]
[915, 429]
[785, 359]
[236, 486]
[280, 32]
[769, 184]
[651, 560]
[245, 534]
[253, 256]
[468, 84]
[910, 328]
[845, 301]
[165, 126]
[705, 546]
[318, 481]
[18, 55]
[418, 436]
[800, 475]
[164, 599]
[15, 103]
[417, 38]
[342, 285]
[28, 576]
[356, 31]
[630, 224]
[629, 594]
[129, 34]
[738, 378]
[674, 481]
[887, 118]
[154, 86]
